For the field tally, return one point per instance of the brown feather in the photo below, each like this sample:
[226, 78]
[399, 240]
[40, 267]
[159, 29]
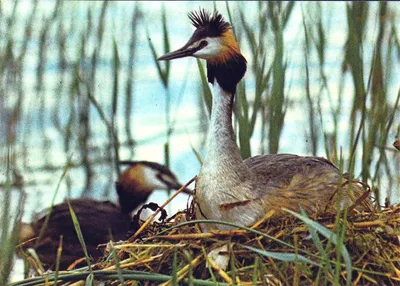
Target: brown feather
[97, 221]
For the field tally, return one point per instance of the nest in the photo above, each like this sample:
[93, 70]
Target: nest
[360, 248]
[271, 253]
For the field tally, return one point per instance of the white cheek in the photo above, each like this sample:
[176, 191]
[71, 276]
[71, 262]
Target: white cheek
[150, 176]
[213, 48]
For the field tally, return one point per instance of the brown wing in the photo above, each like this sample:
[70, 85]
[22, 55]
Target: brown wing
[286, 180]
[96, 219]
[277, 169]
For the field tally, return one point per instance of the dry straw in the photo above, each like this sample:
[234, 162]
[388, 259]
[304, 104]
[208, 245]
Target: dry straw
[291, 250]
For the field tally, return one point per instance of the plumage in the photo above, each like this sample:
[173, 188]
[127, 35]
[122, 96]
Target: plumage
[231, 189]
[208, 25]
[99, 220]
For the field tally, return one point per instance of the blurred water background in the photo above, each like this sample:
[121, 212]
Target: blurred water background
[323, 79]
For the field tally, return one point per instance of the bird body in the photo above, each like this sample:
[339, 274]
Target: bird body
[229, 188]
[224, 178]
[99, 221]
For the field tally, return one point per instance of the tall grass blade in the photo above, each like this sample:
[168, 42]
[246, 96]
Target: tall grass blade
[277, 105]
[46, 221]
[58, 259]
[317, 242]
[332, 237]
[110, 275]
[79, 234]
[136, 16]
[167, 47]
[161, 72]
[9, 228]
[206, 88]
[256, 265]
[311, 112]
[287, 257]
[242, 115]
[113, 137]
[385, 135]
[116, 259]
[228, 10]
[89, 280]
[110, 128]
[356, 20]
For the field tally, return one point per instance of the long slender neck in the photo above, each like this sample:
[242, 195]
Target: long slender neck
[222, 148]
[223, 168]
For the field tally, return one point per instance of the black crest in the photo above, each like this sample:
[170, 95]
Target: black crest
[212, 25]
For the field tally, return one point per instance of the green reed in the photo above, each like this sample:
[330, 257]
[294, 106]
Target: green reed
[129, 96]
[258, 113]
[9, 221]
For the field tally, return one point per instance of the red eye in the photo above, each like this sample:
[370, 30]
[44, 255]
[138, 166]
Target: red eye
[203, 44]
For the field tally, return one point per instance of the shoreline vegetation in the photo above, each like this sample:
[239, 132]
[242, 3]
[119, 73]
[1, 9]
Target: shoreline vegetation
[360, 248]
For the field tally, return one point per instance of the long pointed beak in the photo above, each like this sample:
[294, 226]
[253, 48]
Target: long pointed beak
[185, 51]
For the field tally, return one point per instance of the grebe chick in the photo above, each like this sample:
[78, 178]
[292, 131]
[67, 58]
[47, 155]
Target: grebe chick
[97, 218]
[229, 188]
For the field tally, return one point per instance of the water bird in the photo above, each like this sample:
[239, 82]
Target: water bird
[97, 219]
[229, 188]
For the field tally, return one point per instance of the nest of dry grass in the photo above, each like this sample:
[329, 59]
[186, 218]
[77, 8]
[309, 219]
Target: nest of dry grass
[360, 248]
[272, 253]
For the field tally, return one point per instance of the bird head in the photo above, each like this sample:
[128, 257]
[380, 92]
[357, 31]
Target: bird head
[140, 179]
[214, 41]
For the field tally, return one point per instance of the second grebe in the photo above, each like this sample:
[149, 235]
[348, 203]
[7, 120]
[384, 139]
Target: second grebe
[98, 220]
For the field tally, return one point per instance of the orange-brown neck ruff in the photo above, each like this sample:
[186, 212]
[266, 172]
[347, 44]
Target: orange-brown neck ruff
[133, 177]
[132, 188]
[229, 66]
[229, 48]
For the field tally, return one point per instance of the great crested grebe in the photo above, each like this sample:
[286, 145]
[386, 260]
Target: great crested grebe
[229, 188]
[97, 219]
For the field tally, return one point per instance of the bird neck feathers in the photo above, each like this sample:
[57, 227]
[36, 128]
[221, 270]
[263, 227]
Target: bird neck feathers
[228, 69]
[221, 138]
